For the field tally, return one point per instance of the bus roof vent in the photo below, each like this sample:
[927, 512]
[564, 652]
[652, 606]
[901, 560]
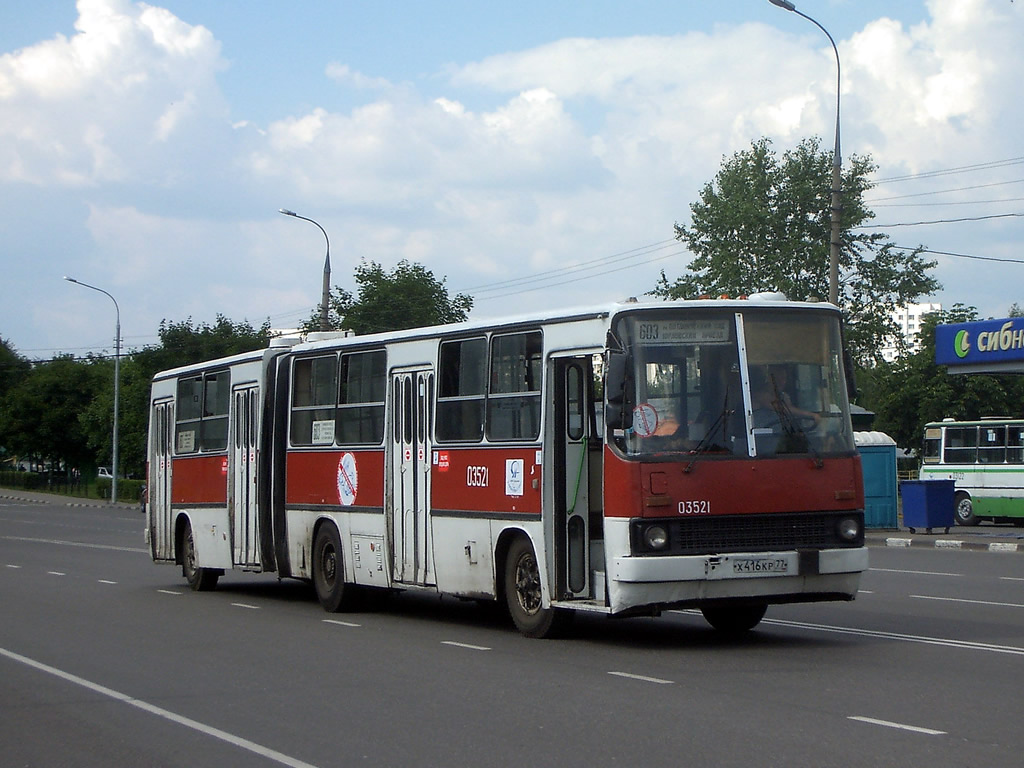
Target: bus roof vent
[284, 342]
[768, 296]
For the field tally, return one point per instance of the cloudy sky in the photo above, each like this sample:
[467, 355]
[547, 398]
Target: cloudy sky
[535, 154]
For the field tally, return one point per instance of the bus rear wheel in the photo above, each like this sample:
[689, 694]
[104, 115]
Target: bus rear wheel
[734, 619]
[524, 597]
[964, 509]
[199, 579]
[328, 571]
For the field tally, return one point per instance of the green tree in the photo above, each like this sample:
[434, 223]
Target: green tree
[42, 412]
[913, 390]
[407, 297]
[764, 224]
[13, 368]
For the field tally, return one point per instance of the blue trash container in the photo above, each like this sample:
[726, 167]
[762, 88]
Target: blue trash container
[927, 504]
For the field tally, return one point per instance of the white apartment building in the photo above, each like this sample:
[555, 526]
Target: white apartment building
[908, 319]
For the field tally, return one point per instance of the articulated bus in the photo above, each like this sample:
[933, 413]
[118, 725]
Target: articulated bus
[985, 459]
[621, 460]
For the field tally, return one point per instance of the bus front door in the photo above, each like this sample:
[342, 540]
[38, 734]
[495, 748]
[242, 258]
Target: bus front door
[411, 555]
[571, 457]
[242, 471]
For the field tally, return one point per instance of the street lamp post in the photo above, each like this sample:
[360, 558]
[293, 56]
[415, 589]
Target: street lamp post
[833, 261]
[326, 292]
[117, 377]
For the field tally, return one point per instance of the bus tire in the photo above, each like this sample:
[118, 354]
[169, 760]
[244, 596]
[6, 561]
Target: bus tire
[734, 618]
[524, 597]
[199, 579]
[964, 510]
[329, 572]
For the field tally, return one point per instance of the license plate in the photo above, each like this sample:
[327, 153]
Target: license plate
[749, 566]
[759, 566]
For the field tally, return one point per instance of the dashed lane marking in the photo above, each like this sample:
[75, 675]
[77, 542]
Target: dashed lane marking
[465, 645]
[643, 678]
[901, 726]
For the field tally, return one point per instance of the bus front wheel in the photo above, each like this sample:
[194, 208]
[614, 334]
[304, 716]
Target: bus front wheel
[199, 579]
[964, 509]
[523, 594]
[734, 618]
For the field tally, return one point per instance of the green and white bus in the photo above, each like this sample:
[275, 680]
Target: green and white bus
[985, 458]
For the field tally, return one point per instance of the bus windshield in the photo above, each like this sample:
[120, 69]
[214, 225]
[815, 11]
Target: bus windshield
[695, 388]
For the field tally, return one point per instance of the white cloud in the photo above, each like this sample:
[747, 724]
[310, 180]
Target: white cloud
[90, 109]
[525, 160]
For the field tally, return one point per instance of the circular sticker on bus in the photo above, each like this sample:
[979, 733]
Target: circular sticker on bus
[645, 420]
[348, 479]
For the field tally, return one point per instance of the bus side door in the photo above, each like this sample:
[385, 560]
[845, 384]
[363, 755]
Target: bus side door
[409, 466]
[242, 470]
[158, 508]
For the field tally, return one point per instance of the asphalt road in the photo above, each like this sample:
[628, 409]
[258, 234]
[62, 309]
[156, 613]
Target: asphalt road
[107, 659]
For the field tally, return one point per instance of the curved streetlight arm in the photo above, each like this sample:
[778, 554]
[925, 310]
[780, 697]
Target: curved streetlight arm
[835, 244]
[326, 289]
[117, 379]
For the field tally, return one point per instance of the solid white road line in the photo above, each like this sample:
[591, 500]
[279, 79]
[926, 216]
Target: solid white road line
[246, 605]
[168, 592]
[341, 623]
[917, 573]
[643, 678]
[217, 733]
[901, 726]
[75, 544]
[940, 641]
[965, 600]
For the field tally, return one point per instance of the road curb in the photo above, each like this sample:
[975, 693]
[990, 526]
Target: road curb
[52, 499]
[957, 544]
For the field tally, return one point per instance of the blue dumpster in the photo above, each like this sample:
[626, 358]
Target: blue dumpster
[927, 504]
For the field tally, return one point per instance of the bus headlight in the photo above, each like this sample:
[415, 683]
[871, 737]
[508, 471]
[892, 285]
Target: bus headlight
[848, 528]
[655, 537]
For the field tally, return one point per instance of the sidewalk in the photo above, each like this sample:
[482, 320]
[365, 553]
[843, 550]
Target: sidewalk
[18, 494]
[984, 538]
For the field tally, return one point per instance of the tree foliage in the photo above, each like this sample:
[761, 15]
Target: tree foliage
[407, 297]
[62, 410]
[913, 390]
[764, 224]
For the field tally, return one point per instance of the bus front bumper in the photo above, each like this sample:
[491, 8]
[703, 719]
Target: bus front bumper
[774, 577]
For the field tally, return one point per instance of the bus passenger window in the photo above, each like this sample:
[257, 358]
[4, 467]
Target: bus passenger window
[460, 395]
[361, 398]
[314, 384]
[513, 403]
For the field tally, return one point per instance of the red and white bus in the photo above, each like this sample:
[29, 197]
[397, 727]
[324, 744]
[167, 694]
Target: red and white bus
[622, 460]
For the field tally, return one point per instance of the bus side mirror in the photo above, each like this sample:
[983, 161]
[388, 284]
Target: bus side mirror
[618, 413]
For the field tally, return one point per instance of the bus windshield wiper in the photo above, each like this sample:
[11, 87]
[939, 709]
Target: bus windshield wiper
[704, 445]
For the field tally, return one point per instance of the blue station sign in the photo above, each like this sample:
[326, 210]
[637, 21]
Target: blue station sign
[982, 345]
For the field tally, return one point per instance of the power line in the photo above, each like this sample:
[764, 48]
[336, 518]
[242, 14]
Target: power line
[950, 171]
[941, 221]
[959, 255]
[945, 191]
[583, 266]
[587, 277]
[957, 202]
